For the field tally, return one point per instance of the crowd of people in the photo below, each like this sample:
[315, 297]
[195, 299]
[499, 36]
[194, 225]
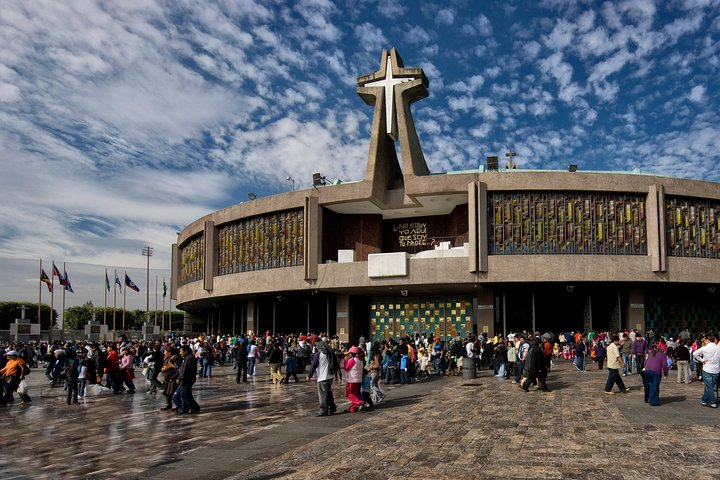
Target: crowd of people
[172, 365]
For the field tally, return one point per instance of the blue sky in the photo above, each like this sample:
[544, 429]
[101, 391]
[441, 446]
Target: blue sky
[121, 122]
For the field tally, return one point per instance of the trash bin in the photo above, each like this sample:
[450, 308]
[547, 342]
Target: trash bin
[468, 366]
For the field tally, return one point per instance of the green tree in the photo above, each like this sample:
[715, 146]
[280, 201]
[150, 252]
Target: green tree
[77, 317]
[9, 311]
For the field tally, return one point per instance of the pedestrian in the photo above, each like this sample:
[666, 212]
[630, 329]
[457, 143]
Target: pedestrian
[600, 354]
[241, 361]
[275, 360]
[170, 371]
[112, 369]
[639, 348]
[353, 377]
[83, 376]
[535, 368]
[187, 375]
[72, 378]
[155, 366]
[682, 356]
[290, 367]
[127, 369]
[377, 395]
[253, 356]
[709, 356]
[614, 363]
[580, 352]
[324, 363]
[656, 365]
[12, 373]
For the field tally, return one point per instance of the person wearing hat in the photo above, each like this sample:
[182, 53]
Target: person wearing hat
[353, 376]
[324, 363]
[11, 375]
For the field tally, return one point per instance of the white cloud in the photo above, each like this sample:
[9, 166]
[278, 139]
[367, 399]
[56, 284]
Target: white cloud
[445, 17]
[561, 36]
[417, 35]
[470, 85]
[391, 9]
[371, 37]
[697, 94]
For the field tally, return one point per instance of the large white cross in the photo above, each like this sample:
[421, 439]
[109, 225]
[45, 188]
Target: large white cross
[388, 83]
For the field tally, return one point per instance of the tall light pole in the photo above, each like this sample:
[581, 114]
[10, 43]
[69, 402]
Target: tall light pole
[147, 252]
[292, 182]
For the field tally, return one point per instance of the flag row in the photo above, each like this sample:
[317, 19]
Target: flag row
[63, 278]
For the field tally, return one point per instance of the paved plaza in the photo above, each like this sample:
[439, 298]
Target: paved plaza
[435, 429]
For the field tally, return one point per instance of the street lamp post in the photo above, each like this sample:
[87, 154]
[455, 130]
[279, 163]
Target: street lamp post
[147, 252]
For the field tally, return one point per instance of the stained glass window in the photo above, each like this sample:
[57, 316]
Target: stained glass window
[259, 243]
[692, 227]
[192, 258]
[566, 222]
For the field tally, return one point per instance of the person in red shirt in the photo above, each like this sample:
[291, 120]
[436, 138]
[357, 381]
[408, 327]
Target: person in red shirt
[112, 368]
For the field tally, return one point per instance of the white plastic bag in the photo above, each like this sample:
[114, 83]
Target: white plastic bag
[95, 390]
[23, 387]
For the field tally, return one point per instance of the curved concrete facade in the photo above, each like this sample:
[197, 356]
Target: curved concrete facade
[424, 247]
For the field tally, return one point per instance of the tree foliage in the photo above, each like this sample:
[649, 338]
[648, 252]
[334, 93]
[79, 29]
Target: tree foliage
[9, 311]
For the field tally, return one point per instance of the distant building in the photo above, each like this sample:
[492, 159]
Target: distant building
[407, 251]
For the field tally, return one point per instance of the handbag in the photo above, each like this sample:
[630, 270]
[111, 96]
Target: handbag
[22, 387]
[129, 373]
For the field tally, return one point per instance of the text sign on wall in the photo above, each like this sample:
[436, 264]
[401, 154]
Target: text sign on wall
[411, 234]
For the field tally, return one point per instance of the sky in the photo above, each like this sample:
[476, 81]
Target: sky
[122, 122]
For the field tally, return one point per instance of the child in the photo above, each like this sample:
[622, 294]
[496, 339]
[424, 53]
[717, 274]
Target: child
[71, 379]
[290, 367]
[424, 362]
[404, 369]
[451, 365]
[82, 377]
[366, 389]
[390, 367]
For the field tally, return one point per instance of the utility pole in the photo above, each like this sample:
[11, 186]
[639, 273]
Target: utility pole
[147, 252]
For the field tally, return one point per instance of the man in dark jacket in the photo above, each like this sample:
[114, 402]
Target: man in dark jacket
[155, 366]
[241, 361]
[183, 397]
[535, 367]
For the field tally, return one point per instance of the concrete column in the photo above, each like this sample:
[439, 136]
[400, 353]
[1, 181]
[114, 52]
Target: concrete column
[655, 218]
[482, 227]
[486, 313]
[472, 227]
[174, 271]
[250, 316]
[343, 318]
[312, 237]
[636, 311]
[210, 255]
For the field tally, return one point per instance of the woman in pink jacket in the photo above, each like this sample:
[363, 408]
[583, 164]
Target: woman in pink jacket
[127, 369]
[353, 376]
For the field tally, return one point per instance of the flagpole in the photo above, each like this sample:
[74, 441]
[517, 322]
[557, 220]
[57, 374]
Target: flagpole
[124, 297]
[105, 289]
[156, 302]
[162, 319]
[62, 329]
[114, 302]
[40, 294]
[52, 298]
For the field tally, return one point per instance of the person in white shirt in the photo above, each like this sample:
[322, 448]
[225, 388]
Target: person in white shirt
[709, 356]
[324, 363]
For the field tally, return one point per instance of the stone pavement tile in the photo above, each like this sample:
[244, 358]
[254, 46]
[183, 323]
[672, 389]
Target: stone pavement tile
[434, 429]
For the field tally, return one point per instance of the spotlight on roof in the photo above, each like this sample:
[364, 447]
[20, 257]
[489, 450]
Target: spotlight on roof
[252, 196]
[319, 180]
[572, 167]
